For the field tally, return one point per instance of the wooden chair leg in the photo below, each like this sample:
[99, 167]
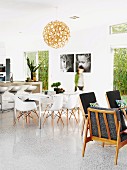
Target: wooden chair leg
[74, 115]
[23, 120]
[44, 120]
[85, 137]
[70, 116]
[19, 116]
[78, 114]
[83, 123]
[36, 113]
[67, 116]
[26, 119]
[117, 146]
[103, 144]
[116, 156]
[60, 118]
[52, 122]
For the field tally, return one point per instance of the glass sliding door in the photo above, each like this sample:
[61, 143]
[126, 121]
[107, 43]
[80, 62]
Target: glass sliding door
[43, 57]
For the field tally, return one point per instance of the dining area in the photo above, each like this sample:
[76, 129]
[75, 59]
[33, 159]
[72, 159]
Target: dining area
[49, 106]
[27, 105]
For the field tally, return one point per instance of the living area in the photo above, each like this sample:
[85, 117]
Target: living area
[58, 146]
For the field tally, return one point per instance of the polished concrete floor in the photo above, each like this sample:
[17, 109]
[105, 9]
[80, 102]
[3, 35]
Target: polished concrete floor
[57, 148]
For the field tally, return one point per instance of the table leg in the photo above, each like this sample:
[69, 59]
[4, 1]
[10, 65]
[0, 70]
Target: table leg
[39, 114]
[14, 115]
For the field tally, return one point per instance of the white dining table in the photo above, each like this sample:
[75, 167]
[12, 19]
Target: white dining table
[34, 96]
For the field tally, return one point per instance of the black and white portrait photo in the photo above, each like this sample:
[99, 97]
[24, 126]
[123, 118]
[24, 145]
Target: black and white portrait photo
[83, 60]
[67, 62]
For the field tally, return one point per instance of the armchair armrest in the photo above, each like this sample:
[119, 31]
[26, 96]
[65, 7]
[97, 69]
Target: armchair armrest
[123, 107]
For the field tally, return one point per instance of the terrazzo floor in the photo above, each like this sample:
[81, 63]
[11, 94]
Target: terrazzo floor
[57, 148]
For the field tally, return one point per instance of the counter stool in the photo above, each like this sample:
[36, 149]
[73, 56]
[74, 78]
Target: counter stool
[30, 89]
[15, 89]
[2, 91]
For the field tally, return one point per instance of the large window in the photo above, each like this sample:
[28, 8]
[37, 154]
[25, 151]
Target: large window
[119, 28]
[32, 57]
[120, 70]
[43, 57]
[42, 73]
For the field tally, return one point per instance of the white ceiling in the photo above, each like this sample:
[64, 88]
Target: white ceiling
[30, 16]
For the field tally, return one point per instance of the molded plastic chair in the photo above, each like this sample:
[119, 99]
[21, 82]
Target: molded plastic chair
[25, 108]
[105, 126]
[55, 109]
[70, 106]
[85, 100]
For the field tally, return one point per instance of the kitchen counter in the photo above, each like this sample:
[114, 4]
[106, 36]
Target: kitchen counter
[20, 83]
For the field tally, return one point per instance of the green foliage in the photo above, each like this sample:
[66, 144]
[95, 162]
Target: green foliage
[57, 84]
[31, 65]
[120, 28]
[43, 57]
[120, 70]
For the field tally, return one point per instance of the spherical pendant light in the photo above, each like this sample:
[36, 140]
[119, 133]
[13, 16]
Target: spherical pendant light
[56, 34]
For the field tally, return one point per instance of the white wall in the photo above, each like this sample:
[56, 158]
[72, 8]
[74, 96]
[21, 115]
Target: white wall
[96, 41]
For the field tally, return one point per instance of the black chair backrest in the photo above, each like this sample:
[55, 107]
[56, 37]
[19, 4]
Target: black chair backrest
[112, 96]
[86, 99]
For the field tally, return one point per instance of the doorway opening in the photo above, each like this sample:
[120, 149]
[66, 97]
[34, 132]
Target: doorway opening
[120, 71]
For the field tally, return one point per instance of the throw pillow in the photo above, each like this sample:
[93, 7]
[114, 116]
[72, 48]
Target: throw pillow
[121, 103]
[95, 104]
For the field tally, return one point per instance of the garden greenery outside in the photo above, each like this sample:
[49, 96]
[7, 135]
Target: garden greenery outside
[120, 71]
[43, 58]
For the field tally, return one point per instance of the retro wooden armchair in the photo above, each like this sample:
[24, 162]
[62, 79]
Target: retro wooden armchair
[104, 126]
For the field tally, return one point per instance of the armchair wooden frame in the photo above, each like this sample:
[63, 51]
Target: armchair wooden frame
[109, 139]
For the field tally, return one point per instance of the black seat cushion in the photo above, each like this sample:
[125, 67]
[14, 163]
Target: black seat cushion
[28, 100]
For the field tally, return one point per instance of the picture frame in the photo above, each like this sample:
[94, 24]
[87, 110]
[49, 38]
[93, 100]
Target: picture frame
[67, 63]
[71, 62]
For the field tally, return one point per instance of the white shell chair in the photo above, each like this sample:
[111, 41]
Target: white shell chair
[70, 106]
[55, 109]
[2, 91]
[25, 109]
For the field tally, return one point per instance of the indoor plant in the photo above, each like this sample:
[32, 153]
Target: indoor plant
[58, 90]
[32, 68]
